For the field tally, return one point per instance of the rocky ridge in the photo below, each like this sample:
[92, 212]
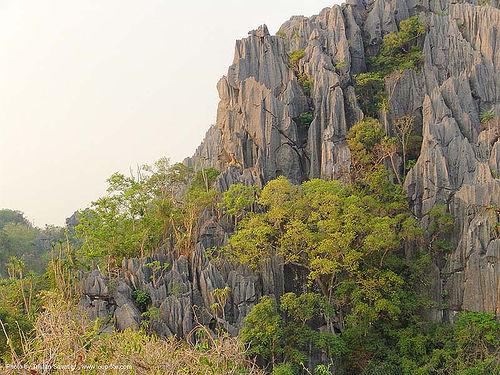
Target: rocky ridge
[258, 136]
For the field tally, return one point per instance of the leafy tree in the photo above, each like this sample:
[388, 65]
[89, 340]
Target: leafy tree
[114, 227]
[370, 92]
[370, 148]
[288, 336]
[204, 179]
[221, 295]
[468, 347]
[362, 139]
[238, 200]
[403, 128]
[351, 239]
[186, 213]
[263, 330]
[477, 336]
[441, 224]
[401, 50]
[14, 217]
[140, 212]
[332, 231]
[20, 239]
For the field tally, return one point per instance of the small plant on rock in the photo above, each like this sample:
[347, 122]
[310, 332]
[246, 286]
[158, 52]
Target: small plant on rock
[306, 83]
[295, 57]
[221, 295]
[142, 299]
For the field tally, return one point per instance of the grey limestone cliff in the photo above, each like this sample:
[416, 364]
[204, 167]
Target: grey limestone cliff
[258, 136]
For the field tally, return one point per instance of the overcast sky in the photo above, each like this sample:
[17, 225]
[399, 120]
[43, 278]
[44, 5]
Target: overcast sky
[91, 87]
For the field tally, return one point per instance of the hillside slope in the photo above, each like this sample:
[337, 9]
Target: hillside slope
[281, 116]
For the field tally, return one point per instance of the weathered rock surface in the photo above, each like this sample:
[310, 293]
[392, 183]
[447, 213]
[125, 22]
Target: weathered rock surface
[457, 162]
[258, 136]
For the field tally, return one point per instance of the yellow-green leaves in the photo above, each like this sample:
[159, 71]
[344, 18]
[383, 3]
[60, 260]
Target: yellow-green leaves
[295, 57]
[254, 242]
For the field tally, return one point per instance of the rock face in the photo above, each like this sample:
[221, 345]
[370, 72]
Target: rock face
[259, 135]
[181, 288]
[458, 159]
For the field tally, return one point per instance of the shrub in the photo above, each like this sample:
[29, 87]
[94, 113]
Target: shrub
[283, 333]
[149, 315]
[305, 119]
[400, 50]
[142, 299]
[340, 65]
[78, 341]
[263, 330]
[175, 288]
[370, 92]
[487, 116]
[281, 34]
[285, 368]
[295, 57]
[306, 83]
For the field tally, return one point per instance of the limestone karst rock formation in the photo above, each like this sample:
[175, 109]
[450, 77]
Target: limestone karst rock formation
[258, 136]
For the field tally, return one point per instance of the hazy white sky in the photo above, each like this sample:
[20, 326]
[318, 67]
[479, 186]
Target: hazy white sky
[91, 87]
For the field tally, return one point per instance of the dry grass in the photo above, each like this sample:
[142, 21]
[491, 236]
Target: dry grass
[65, 342]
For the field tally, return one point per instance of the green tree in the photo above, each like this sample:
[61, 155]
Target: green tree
[221, 295]
[288, 336]
[140, 212]
[238, 200]
[403, 128]
[263, 330]
[370, 92]
[363, 140]
[12, 216]
[401, 50]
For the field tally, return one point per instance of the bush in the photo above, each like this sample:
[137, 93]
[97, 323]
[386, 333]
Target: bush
[78, 341]
[281, 34]
[295, 57]
[305, 119]
[400, 50]
[362, 139]
[487, 116]
[282, 333]
[306, 84]
[370, 92]
[340, 65]
[142, 299]
[285, 368]
[263, 330]
[468, 347]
